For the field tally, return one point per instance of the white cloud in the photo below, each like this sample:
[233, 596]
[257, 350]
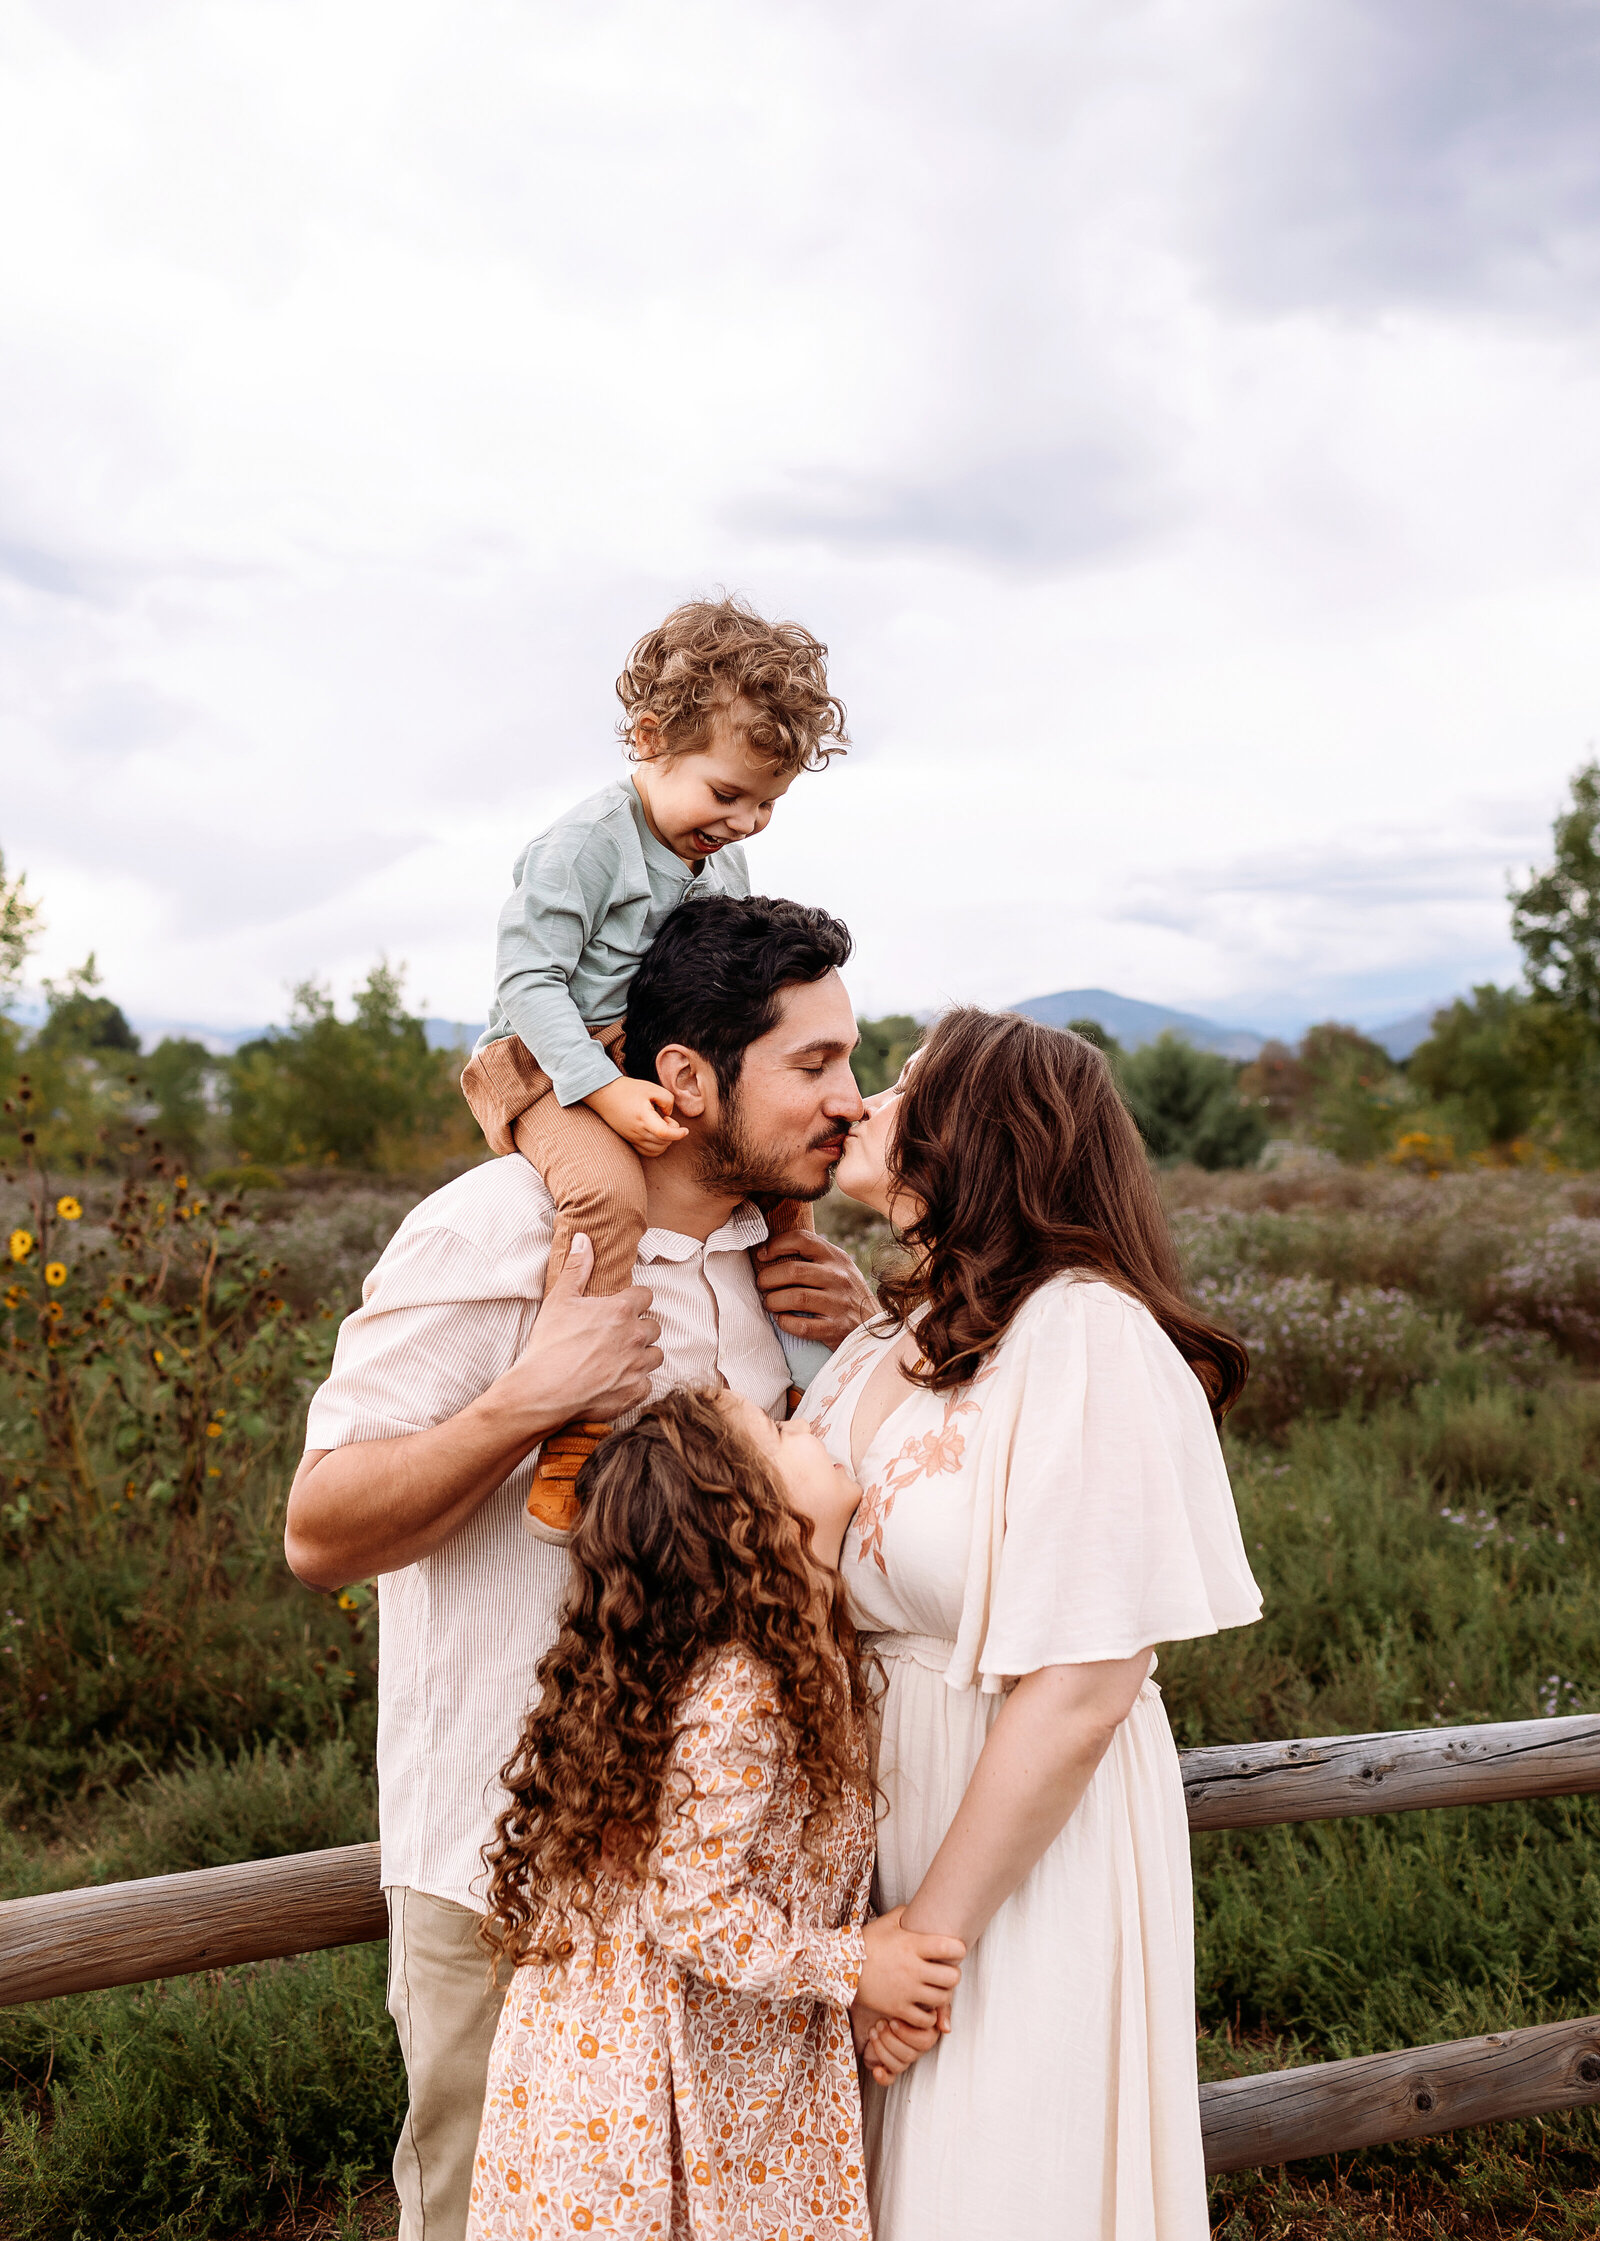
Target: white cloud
[1176, 508]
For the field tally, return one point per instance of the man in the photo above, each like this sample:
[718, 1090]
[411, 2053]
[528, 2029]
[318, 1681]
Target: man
[421, 1445]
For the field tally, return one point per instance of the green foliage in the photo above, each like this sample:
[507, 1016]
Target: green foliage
[21, 924]
[1092, 1032]
[362, 1092]
[179, 1075]
[1555, 918]
[884, 1047]
[1187, 1105]
[80, 1020]
[1475, 1068]
[206, 2106]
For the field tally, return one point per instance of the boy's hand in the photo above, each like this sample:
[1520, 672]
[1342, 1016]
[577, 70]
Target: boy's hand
[890, 2048]
[908, 1975]
[639, 1112]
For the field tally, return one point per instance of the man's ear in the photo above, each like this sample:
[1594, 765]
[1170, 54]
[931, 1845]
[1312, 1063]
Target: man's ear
[691, 1081]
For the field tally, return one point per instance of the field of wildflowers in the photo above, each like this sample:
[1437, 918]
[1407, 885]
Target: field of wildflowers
[1416, 1465]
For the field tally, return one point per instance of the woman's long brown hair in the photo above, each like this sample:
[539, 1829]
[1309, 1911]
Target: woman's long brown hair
[684, 1545]
[1015, 1141]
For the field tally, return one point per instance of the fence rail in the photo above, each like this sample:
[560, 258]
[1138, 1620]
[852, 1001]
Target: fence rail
[260, 1910]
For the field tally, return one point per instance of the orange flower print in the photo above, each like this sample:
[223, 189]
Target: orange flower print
[711, 2058]
[922, 1455]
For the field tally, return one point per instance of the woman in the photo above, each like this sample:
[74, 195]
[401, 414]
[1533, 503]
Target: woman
[1034, 1426]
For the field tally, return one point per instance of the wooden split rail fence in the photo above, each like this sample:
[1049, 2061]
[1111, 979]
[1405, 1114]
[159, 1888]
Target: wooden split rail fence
[174, 1925]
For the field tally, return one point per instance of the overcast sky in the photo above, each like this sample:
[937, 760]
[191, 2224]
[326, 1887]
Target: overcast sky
[1181, 423]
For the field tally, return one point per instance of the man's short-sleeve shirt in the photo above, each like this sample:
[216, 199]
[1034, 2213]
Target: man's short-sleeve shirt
[450, 1306]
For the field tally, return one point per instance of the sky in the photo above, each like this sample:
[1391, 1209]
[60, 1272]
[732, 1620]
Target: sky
[1181, 423]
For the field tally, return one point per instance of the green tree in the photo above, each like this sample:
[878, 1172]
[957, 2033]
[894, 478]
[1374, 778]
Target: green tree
[1481, 1066]
[1555, 918]
[884, 1047]
[1092, 1032]
[80, 1020]
[361, 1092]
[179, 1075]
[1187, 1105]
[21, 924]
[1354, 1099]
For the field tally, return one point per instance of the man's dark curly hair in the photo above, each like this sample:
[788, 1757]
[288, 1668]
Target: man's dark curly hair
[685, 1545]
[711, 978]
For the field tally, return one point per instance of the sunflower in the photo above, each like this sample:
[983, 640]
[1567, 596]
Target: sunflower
[55, 1274]
[21, 1244]
[69, 1209]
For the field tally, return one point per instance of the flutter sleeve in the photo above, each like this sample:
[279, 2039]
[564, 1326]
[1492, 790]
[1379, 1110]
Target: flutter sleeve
[700, 1902]
[1104, 1523]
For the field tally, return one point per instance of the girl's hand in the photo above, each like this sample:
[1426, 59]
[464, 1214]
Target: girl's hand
[890, 2049]
[908, 1974]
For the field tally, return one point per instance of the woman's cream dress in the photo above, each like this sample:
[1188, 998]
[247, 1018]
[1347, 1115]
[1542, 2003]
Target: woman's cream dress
[1069, 1504]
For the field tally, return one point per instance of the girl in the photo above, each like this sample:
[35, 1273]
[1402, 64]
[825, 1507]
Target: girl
[681, 1873]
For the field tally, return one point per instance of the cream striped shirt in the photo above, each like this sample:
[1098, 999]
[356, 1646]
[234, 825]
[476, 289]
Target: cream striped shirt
[449, 1307]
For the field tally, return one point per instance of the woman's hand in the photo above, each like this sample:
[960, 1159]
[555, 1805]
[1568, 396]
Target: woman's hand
[908, 1975]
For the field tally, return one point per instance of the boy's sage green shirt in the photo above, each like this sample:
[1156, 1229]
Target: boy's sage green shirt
[590, 893]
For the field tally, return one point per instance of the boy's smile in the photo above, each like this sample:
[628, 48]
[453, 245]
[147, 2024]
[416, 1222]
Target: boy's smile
[698, 802]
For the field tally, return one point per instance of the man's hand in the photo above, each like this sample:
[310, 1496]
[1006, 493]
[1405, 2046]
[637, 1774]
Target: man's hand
[814, 1289]
[375, 1505]
[639, 1112]
[585, 1357]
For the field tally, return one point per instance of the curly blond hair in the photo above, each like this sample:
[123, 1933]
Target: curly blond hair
[711, 652]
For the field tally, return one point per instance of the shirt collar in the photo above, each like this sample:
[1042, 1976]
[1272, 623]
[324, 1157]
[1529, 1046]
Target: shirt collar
[744, 1227]
[657, 852]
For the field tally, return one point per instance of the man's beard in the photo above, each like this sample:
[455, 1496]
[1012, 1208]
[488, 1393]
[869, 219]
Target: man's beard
[728, 1159]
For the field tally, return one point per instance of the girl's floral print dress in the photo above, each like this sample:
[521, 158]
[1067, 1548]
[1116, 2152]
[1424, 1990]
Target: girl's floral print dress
[690, 2072]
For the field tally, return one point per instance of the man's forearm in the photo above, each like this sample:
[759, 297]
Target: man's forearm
[378, 1504]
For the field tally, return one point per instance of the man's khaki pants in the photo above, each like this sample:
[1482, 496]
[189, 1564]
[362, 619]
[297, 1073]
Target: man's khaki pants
[445, 2009]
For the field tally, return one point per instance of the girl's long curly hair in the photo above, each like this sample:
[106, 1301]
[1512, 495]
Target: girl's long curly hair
[1015, 1141]
[684, 1545]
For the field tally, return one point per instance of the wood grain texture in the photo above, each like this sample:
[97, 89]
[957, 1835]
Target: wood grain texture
[1328, 2107]
[1324, 1777]
[173, 1925]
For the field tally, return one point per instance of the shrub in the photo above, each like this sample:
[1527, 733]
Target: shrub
[1554, 1286]
[1315, 1350]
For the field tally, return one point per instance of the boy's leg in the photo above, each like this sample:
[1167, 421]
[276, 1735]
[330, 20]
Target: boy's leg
[445, 2010]
[597, 1182]
[500, 1082]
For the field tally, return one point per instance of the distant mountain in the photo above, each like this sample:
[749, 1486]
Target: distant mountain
[1401, 1037]
[1133, 1023]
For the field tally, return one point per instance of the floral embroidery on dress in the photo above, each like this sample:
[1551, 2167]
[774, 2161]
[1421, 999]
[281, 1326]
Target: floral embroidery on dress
[820, 1416]
[923, 1455]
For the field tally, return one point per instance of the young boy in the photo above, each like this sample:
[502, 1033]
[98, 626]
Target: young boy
[721, 712]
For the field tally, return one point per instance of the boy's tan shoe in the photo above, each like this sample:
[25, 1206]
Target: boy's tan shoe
[552, 1497]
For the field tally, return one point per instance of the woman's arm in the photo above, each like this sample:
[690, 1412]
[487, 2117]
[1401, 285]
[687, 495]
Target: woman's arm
[1053, 1730]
